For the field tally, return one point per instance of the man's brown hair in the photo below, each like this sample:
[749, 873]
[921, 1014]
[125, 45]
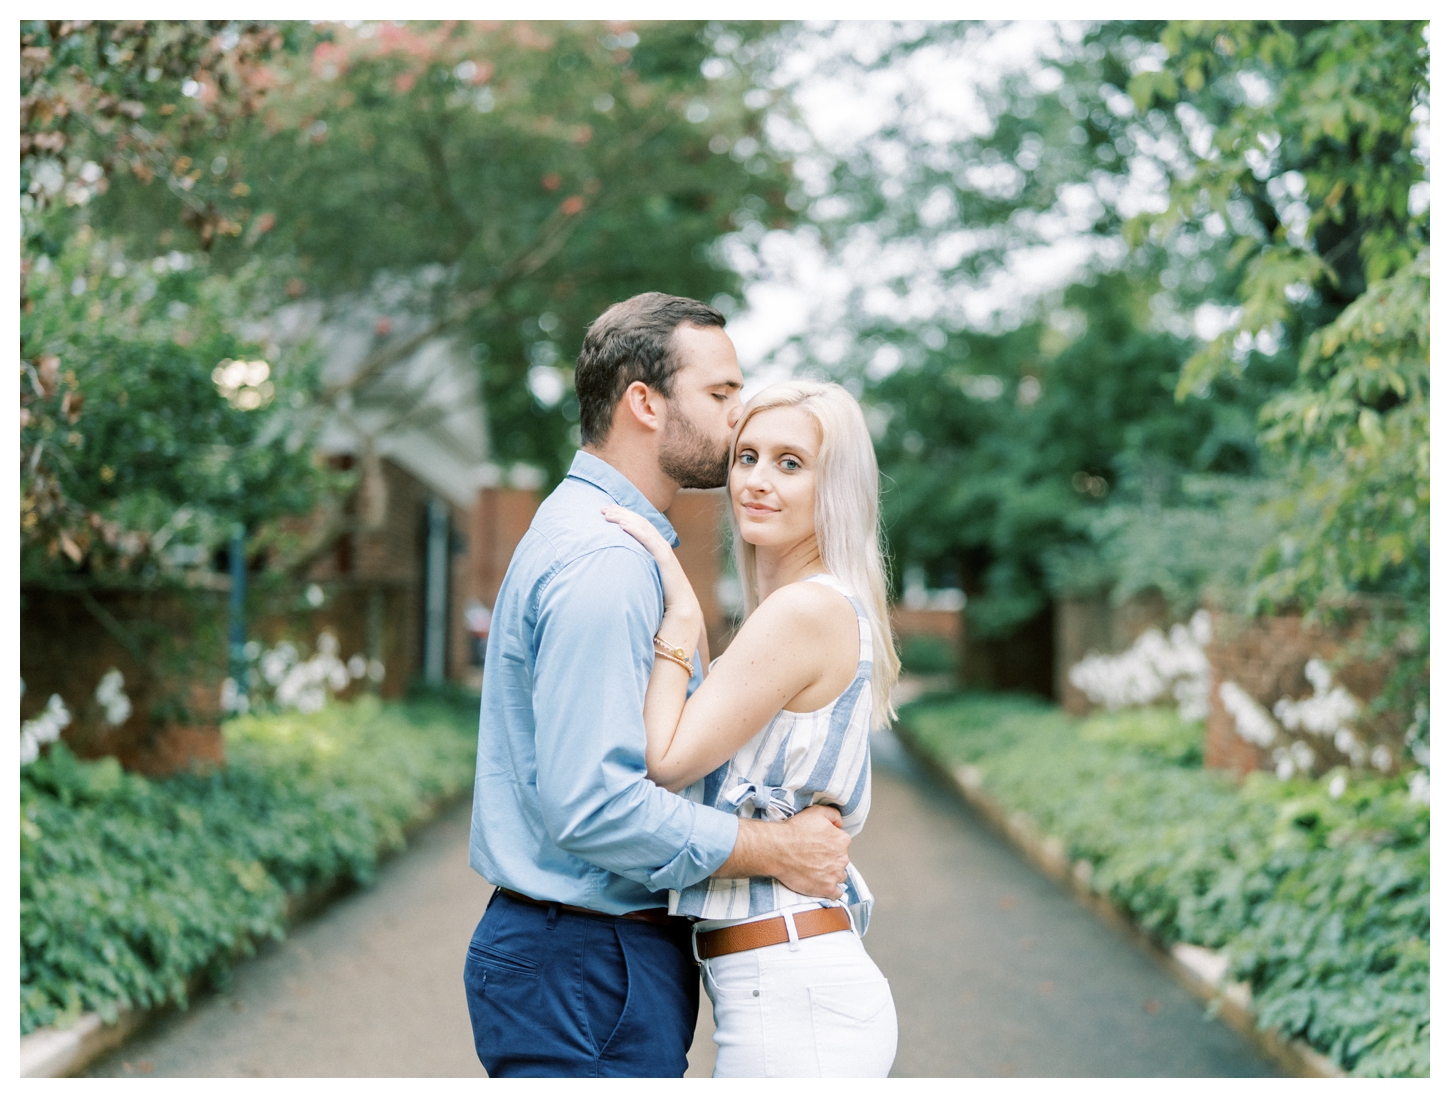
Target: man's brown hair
[631, 341]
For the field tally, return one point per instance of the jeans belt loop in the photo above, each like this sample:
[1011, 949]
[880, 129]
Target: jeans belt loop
[795, 938]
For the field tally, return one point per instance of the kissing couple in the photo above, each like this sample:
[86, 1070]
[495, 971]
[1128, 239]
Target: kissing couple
[646, 815]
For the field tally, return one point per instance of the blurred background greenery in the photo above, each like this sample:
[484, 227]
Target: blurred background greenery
[1222, 395]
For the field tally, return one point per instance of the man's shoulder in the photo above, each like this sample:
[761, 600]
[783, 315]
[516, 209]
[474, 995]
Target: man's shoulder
[570, 520]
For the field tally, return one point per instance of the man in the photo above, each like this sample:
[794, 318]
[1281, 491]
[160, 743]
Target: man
[576, 969]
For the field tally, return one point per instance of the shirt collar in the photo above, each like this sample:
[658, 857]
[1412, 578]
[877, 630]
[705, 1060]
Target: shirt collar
[617, 486]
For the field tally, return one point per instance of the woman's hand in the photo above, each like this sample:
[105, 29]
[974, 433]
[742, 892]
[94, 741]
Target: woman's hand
[683, 617]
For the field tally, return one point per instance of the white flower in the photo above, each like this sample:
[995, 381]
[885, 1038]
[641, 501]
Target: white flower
[1337, 785]
[1420, 786]
[234, 699]
[1283, 765]
[1327, 713]
[357, 667]
[376, 670]
[44, 728]
[112, 697]
[1381, 758]
[1200, 628]
[1250, 721]
[1349, 743]
[274, 663]
[1154, 667]
[1303, 756]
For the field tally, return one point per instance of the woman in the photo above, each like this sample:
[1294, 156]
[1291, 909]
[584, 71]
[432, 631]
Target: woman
[782, 721]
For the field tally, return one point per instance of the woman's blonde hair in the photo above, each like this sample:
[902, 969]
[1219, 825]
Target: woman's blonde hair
[847, 514]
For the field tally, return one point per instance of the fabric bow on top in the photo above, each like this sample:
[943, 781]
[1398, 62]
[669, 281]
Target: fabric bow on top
[776, 803]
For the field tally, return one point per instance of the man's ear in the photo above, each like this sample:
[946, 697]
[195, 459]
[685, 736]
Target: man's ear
[645, 405]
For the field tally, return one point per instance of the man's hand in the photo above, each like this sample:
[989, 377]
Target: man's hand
[807, 853]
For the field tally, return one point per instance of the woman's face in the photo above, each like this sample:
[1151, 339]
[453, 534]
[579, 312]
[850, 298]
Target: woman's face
[773, 477]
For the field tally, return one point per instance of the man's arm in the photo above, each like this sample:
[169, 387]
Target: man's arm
[807, 853]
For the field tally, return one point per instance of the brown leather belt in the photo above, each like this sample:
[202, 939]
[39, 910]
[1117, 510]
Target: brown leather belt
[769, 932]
[659, 916]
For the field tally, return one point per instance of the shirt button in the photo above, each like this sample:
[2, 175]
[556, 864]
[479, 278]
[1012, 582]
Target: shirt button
[756, 994]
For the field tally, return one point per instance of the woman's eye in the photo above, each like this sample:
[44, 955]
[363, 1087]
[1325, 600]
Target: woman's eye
[747, 459]
[790, 465]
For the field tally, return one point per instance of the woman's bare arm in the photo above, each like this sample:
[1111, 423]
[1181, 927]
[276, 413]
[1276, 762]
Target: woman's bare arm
[792, 641]
[799, 634]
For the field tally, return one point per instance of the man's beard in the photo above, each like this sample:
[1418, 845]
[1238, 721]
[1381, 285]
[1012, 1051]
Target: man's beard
[689, 458]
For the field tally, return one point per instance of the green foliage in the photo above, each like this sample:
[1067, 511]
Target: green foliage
[1011, 459]
[134, 459]
[1357, 429]
[1310, 156]
[1004, 439]
[1310, 164]
[1200, 539]
[500, 183]
[131, 887]
[1321, 902]
[922, 654]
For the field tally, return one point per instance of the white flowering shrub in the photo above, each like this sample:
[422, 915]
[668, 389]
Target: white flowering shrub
[1299, 733]
[111, 696]
[47, 725]
[1155, 669]
[1328, 713]
[43, 728]
[1251, 721]
[281, 677]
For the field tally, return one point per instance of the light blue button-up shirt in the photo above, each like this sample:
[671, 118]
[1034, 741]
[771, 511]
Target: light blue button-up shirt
[562, 809]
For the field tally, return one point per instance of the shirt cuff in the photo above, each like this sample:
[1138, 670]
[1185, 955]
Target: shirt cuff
[712, 839]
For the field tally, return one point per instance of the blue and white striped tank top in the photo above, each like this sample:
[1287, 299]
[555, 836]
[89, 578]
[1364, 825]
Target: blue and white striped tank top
[797, 760]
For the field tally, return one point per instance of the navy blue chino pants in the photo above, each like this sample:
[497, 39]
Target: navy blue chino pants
[554, 993]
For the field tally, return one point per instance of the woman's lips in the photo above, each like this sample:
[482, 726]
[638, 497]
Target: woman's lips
[757, 509]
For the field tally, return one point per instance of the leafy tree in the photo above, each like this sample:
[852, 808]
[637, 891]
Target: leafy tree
[1308, 159]
[148, 422]
[499, 184]
[1013, 431]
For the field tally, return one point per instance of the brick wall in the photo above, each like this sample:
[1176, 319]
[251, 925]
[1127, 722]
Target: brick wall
[1266, 657]
[170, 645]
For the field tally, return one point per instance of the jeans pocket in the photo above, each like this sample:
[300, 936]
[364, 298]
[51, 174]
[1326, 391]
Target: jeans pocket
[855, 1028]
[492, 957]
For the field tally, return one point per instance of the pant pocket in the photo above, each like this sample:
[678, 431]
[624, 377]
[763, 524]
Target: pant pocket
[855, 1028]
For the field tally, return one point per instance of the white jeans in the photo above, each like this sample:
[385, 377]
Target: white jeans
[820, 1009]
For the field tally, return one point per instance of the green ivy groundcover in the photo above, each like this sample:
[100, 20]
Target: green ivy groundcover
[131, 887]
[1317, 890]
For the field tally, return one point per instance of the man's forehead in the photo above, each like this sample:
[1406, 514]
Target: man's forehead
[708, 355]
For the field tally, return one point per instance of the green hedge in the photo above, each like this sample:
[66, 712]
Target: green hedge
[1322, 903]
[129, 887]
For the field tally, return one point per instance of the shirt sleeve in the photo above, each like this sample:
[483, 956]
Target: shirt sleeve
[593, 653]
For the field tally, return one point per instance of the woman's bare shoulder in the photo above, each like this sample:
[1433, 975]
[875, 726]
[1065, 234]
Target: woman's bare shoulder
[805, 607]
